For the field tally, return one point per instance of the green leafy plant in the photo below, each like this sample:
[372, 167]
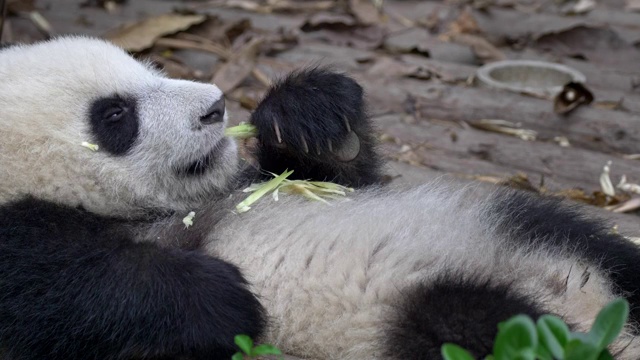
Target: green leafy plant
[520, 338]
[249, 350]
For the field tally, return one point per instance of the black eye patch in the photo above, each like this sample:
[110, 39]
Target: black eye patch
[114, 123]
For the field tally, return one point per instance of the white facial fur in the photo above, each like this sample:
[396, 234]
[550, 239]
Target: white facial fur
[46, 91]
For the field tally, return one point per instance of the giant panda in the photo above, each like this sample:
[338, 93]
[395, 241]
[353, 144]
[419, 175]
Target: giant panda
[96, 263]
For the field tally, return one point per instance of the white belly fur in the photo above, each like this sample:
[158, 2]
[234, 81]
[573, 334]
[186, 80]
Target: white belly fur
[327, 275]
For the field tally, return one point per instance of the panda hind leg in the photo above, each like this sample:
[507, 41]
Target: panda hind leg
[451, 309]
[314, 122]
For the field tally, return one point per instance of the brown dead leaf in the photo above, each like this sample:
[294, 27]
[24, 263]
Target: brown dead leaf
[519, 181]
[414, 41]
[343, 30]
[221, 32]
[597, 198]
[175, 69]
[464, 24]
[633, 5]
[185, 44]
[276, 6]
[387, 67]
[142, 35]
[238, 67]
[365, 11]
[482, 48]
[324, 20]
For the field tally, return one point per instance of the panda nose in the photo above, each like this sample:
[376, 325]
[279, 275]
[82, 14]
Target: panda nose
[215, 113]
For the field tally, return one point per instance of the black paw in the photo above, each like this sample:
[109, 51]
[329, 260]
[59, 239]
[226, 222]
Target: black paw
[314, 122]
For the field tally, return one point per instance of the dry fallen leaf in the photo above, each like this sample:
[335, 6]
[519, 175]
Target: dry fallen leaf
[238, 67]
[482, 48]
[464, 24]
[142, 35]
[365, 11]
[275, 6]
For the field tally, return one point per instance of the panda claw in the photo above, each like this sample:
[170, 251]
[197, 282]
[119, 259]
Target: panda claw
[346, 122]
[330, 145]
[305, 146]
[276, 127]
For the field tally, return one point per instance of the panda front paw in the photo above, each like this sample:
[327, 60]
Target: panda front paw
[314, 122]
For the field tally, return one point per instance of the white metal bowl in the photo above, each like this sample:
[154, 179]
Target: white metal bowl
[533, 77]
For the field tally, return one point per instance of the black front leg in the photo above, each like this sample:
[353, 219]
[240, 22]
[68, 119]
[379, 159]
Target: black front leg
[74, 286]
[314, 122]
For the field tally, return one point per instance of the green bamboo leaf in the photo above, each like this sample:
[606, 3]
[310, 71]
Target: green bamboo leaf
[455, 352]
[241, 131]
[261, 191]
[265, 349]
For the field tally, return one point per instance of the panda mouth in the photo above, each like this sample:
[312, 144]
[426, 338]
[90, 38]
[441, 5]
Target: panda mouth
[205, 163]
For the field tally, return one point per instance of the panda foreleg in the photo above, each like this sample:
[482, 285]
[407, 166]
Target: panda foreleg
[74, 285]
[314, 122]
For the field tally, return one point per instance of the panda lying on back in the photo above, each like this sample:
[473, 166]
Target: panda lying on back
[95, 262]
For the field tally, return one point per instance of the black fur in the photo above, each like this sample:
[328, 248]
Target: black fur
[453, 309]
[114, 123]
[316, 105]
[548, 222]
[74, 285]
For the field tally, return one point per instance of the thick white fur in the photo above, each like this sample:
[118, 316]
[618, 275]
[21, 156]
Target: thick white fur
[45, 96]
[328, 276]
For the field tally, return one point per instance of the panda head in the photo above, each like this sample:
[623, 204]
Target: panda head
[160, 141]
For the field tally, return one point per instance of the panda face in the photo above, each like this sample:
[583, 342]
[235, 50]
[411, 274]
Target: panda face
[161, 141]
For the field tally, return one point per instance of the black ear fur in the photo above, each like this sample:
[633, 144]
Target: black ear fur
[306, 123]
[74, 285]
